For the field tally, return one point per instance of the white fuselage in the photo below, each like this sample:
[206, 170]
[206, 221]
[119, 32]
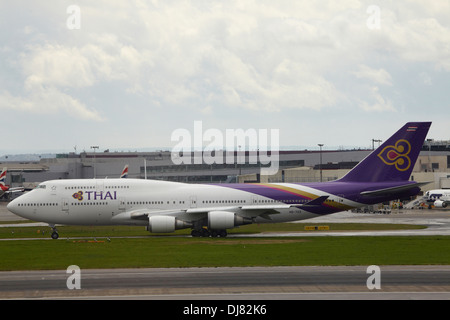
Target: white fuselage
[438, 194]
[115, 201]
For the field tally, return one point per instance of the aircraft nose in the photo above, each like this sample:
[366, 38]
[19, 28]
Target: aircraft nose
[12, 206]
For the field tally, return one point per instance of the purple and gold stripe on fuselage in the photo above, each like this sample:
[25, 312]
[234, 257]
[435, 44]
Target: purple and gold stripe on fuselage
[290, 195]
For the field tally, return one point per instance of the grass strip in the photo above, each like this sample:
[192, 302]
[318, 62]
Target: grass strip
[166, 252]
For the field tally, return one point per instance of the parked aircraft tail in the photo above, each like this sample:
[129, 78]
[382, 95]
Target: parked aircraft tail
[3, 177]
[124, 172]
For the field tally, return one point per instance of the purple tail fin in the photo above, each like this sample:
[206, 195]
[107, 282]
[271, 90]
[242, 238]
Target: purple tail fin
[394, 160]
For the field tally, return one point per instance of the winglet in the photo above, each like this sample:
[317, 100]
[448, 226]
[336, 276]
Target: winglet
[313, 203]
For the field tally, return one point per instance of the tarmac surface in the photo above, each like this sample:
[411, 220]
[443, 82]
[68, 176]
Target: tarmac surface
[249, 283]
[252, 283]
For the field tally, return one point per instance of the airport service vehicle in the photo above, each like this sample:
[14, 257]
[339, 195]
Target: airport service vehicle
[211, 209]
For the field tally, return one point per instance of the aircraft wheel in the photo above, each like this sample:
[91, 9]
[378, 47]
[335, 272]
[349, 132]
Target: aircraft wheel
[55, 234]
[205, 233]
[218, 233]
[195, 233]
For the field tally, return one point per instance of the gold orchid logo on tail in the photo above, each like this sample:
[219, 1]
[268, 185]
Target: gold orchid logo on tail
[397, 155]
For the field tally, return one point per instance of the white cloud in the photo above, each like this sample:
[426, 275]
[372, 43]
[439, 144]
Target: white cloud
[57, 65]
[46, 100]
[379, 76]
[377, 103]
[221, 60]
[413, 35]
[425, 79]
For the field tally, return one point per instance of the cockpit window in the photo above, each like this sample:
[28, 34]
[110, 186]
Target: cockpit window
[41, 186]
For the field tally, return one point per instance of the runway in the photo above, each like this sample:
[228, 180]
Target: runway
[250, 283]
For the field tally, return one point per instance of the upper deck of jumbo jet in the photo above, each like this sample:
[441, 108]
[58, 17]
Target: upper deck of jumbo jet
[73, 184]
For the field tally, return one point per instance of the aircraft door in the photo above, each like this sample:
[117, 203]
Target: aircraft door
[193, 201]
[65, 205]
[122, 204]
[99, 185]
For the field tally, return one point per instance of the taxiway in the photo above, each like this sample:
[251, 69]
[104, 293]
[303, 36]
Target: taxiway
[261, 283]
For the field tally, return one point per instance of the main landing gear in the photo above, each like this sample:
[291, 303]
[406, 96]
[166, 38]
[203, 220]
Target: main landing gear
[209, 233]
[55, 234]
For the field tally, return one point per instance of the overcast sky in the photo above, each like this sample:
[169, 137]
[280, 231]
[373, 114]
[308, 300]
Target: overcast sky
[127, 74]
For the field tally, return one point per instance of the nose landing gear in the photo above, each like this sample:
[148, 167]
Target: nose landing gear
[55, 234]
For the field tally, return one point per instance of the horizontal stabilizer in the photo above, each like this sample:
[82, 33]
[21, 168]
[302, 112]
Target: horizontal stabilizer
[390, 191]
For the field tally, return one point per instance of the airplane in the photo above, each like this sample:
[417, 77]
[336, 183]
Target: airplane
[7, 189]
[440, 198]
[211, 209]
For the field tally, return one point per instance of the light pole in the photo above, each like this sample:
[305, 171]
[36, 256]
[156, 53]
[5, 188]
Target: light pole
[373, 143]
[94, 147]
[320, 167]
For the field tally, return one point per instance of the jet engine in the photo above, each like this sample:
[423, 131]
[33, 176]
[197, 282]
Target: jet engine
[440, 204]
[163, 224]
[221, 220]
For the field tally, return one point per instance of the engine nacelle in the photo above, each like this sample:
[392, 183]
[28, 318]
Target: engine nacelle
[440, 204]
[219, 220]
[164, 224]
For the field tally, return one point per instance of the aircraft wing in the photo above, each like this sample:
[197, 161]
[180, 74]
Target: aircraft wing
[143, 214]
[253, 209]
[193, 214]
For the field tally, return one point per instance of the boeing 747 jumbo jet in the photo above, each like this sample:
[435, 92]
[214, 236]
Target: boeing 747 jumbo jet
[164, 206]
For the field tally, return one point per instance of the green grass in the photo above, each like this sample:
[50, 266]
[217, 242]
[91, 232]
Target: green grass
[173, 251]
[155, 252]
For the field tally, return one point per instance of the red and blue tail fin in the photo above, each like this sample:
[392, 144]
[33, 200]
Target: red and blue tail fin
[394, 160]
[124, 172]
[3, 177]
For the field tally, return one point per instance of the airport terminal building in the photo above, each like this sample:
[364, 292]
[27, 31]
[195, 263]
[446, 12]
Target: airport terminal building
[294, 166]
[160, 165]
